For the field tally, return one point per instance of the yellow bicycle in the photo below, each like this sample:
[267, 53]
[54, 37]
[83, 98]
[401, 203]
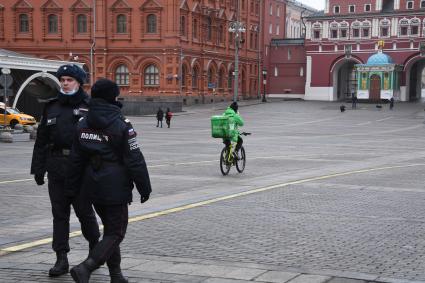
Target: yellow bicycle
[229, 157]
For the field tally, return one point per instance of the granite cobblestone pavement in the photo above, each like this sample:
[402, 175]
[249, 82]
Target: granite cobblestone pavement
[326, 197]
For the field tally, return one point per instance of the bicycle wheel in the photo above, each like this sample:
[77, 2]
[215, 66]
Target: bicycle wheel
[240, 163]
[224, 164]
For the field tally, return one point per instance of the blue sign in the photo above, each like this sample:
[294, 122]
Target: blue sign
[211, 85]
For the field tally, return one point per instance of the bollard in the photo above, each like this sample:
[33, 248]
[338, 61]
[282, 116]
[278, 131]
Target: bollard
[28, 129]
[6, 136]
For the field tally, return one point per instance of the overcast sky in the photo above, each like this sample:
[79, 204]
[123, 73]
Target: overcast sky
[318, 4]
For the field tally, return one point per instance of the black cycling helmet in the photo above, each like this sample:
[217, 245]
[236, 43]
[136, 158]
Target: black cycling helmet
[234, 106]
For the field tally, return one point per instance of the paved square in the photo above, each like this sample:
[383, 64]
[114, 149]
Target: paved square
[326, 197]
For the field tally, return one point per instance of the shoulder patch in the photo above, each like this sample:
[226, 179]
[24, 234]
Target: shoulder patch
[131, 132]
[127, 120]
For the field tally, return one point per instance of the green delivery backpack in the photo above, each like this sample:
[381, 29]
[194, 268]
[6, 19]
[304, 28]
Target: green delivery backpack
[222, 126]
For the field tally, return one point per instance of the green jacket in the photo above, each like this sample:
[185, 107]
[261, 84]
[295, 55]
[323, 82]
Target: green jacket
[238, 122]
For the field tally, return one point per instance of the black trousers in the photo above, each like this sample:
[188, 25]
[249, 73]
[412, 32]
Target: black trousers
[115, 220]
[61, 210]
[238, 144]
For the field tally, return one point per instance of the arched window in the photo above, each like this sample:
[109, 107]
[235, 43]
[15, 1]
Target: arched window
[343, 30]
[183, 25]
[81, 24]
[52, 24]
[230, 79]
[87, 70]
[210, 76]
[121, 24]
[209, 29]
[195, 28]
[184, 75]
[355, 29]
[151, 76]
[366, 29]
[220, 34]
[384, 28]
[317, 31]
[221, 78]
[151, 20]
[195, 77]
[414, 26]
[404, 27]
[333, 30]
[23, 23]
[122, 75]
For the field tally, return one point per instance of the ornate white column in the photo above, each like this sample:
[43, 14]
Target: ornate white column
[396, 4]
[378, 5]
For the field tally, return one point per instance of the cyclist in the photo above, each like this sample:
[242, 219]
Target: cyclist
[232, 111]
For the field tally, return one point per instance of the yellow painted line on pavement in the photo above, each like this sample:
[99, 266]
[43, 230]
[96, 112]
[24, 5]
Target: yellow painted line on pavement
[202, 203]
[15, 181]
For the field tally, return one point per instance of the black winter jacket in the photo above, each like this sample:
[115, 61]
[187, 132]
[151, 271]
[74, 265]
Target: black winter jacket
[106, 159]
[55, 133]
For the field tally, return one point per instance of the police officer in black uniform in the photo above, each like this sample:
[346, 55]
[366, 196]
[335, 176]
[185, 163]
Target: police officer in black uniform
[107, 161]
[51, 154]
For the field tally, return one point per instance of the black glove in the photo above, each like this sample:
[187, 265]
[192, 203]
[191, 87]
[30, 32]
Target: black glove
[39, 179]
[144, 198]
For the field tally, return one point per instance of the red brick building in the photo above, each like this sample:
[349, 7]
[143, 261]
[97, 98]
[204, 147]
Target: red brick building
[155, 49]
[347, 33]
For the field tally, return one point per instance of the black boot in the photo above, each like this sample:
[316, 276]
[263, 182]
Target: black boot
[81, 273]
[116, 275]
[61, 266]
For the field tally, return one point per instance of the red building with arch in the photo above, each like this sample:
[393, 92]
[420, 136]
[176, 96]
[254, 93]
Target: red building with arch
[154, 49]
[347, 33]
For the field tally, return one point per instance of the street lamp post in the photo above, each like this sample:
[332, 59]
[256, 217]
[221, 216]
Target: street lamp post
[264, 85]
[237, 28]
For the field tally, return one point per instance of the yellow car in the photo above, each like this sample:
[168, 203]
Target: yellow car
[13, 117]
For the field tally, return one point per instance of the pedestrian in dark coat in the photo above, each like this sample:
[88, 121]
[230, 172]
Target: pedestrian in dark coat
[159, 117]
[168, 116]
[107, 162]
[51, 154]
[391, 103]
[354, 101]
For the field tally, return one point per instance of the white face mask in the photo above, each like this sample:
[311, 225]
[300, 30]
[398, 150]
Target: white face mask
[71, 92]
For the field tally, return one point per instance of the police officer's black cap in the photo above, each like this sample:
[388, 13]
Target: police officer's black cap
[72, 70]
[105, 89]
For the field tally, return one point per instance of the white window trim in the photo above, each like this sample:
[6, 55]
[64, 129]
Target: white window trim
[339, 9]
[399, 30]
[349, 6]
[413, 5]
[271, 29]
[347, 31]
[410, 30]
[277, 29]
[330, 34]
[422, 6]
[370, 7]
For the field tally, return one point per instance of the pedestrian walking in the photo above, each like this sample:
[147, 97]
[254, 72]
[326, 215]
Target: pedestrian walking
[168, 116]
[391, 103]
[107, 159]
[51, 154]
[354, 101]
[159, 117]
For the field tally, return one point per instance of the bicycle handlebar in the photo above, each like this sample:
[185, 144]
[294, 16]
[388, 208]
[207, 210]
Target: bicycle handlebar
[245, 134]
